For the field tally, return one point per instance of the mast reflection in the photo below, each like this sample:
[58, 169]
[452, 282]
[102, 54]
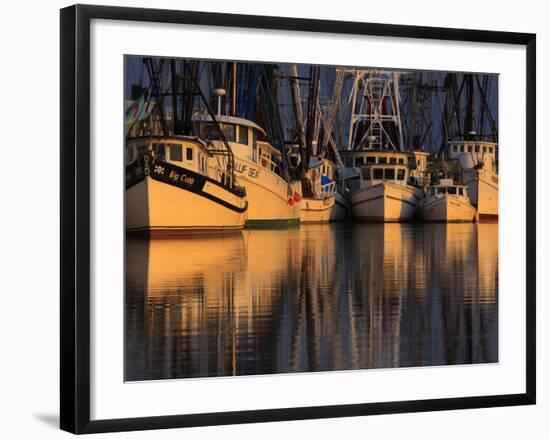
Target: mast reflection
[318, 298]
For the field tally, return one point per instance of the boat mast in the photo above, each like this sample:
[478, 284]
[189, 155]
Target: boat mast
[333, 107]
[312, 113]
[297, 105]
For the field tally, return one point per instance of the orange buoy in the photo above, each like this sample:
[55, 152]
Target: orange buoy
[297, 197]
[291, 202]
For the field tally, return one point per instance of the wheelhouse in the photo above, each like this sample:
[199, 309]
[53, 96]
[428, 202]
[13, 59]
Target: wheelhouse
[358, 159]
[447, 187]
[473, 153]
[472, 147]
[373, 167]
[186, 152]
[244, 138]
[378, 173]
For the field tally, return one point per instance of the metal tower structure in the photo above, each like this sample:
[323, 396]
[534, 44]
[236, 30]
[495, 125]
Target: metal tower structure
[375, 121]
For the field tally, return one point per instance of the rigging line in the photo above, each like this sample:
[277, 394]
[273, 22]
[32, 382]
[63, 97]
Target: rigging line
[444, 123]
[231, 161]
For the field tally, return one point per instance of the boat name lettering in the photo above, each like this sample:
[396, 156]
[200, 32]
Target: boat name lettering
[184, 178]
[241, 168]
[253, 173]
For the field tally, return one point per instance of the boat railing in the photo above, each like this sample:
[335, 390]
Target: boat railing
[267, 163]
[328, 189]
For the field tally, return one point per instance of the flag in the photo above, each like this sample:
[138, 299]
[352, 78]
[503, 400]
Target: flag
[139, 110]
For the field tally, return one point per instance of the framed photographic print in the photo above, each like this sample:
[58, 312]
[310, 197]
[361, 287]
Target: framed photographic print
[268, 218]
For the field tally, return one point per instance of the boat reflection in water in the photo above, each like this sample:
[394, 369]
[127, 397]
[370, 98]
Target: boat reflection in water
[315, 298]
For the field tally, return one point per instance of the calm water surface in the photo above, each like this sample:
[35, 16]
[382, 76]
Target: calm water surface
[317, 298]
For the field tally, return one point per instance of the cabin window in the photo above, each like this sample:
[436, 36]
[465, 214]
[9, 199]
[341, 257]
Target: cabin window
[484, 150]
[176, 153]
[348, 162]
[358, 161]
[401, 161]
[401, 174]
[455, 148]
[389, 174]
[189, 154]
[442, 190]
[451, 190]
[461, 148]
[160, 150]
[229, 131]
[377, 174]
[393, 161]
[469, 148]
[210, 131]
[243, 135]
[382, 160]
[490, 150]
[371, 160]
[366, 173]
[476, 148]
[460, 191]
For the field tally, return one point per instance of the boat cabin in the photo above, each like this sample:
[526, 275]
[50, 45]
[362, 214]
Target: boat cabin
[187, 152]
[373, 167]
[242, 136]
[320, 172]
[447, 186]
[472, 153]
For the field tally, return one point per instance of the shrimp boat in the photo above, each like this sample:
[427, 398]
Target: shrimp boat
[174, 181]
[173, 184]
[478, 161]
[446, 201]
[318, 206]
[272, 199]
[381, 190]
[473, 139]
[377, 165]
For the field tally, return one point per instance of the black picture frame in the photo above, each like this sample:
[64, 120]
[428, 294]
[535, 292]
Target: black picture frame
[75, 217]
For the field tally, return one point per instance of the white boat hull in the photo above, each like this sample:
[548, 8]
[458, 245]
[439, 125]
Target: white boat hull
[384, 202]
[446, 208]
[483, 192]
[316, 211]
[268, 195]
[157, 207]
